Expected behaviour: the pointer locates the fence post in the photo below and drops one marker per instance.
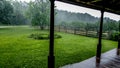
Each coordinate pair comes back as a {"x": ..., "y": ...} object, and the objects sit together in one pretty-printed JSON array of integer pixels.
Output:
[
  {"x": 99, "y": 46},
  {"x": 59, "y": 28},
  {"x": 51, "y": 57}
]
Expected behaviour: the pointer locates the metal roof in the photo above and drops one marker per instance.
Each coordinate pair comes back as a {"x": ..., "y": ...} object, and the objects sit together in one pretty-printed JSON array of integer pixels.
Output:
[{"x": 112, "y": 6}]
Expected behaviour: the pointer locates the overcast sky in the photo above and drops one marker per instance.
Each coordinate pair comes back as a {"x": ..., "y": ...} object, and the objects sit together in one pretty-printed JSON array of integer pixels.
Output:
[{"x": 78, "y": 9}]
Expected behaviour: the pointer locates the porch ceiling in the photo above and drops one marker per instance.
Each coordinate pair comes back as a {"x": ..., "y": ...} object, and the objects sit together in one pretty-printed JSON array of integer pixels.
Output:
[{"x": 112, "y": 6}]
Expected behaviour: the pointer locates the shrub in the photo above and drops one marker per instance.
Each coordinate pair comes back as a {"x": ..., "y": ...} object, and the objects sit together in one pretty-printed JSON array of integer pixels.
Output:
[
  {"x": 114, "y": 36},
  {"x": 95, "y": 36},
  {"x": 91, "y": 35},
  {"x": 42, "y": 36}
]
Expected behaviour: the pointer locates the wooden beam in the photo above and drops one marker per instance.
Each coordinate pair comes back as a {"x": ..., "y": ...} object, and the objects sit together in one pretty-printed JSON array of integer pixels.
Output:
[
  {"x": 99, "y": 46},
  {"x": 51, "y": 57},
  {"x": 90, "y": 6}
]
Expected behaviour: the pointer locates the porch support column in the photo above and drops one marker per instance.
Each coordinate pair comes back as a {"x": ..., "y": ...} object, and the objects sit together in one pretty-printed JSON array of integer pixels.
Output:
[
  {"x": 99, "y": 46},
  {"x": 51, "y": 57},
  {"x": 118, "y": 49}
]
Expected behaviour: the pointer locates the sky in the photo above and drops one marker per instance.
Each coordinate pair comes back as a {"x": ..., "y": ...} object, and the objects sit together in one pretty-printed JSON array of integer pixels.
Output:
[{"x": 78, "y": 9}]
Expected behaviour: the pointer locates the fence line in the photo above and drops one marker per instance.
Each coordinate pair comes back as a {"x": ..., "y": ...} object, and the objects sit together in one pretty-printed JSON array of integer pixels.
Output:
[{"x": 80, "y": 31}]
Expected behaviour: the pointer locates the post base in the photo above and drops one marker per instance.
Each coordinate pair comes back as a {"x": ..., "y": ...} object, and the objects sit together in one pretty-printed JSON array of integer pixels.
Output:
[
  {"x": 51, "y": 61},
  {"x": 118, "y": 51},
  {"x": 97, "y": 62}
]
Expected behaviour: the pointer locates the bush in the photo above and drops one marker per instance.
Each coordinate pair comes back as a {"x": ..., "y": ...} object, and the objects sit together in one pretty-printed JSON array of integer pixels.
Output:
[
  {"x": 39, "y": 36},
  {"x": 92, "y": 35},
  {"x": 95, "y": 36},
  {"x": 114, "y": 36}
]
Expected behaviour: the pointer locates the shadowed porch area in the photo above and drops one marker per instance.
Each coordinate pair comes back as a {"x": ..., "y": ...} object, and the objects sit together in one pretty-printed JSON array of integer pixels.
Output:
[{"x": 108, "y": 60}]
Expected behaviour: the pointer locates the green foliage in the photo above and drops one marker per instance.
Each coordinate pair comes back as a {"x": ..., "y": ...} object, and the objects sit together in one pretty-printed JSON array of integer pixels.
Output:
[
  {"x": 6, "y": 10},
  {"x": 18, "y": 15},
  {"x": 110, "y": 25},
  {"x": 39, "y": 12},
  {"x": 92, "y": 29},
  {"x": 73, "y": 17},
  {"x": 77, "y": 25},
  {"x": 114, "y": 36},
  {"x": 13, "y": 12},
  {"x": 41, "y": 36}
]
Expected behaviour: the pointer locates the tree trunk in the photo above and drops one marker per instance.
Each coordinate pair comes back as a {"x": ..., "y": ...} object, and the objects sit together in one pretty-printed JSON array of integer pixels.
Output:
[
  {"x": 109, "y": 34},
  {"x": 59, "y": 28},
  {"x": 66, "y": 29},
  {"x": 42, "y": 27},
  {"x": 86, "y": 32},
  {"x": 74, "y": 31},
  {"x": 97, "y": 33}
]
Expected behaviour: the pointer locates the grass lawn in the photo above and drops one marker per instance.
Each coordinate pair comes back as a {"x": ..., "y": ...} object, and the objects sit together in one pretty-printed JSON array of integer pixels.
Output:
[{"x": 19, "y": 51}]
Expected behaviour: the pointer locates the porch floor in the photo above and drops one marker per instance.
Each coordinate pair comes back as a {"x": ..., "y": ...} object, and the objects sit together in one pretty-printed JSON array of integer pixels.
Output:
[{"x": 108, "y": 60}]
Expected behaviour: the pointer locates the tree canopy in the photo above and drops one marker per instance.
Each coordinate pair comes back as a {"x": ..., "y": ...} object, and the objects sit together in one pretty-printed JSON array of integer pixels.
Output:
[
  {"x": 38, "y": 12},
  {"x": 6, "y": 11}
]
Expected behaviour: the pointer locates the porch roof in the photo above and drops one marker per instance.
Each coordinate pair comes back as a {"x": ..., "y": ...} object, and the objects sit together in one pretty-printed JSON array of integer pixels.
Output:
[{"x": 112, "y": 6}]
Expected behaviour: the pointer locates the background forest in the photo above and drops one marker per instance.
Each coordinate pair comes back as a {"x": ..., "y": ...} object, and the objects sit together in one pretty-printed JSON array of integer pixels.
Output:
[{"x": 36, "y": 13}]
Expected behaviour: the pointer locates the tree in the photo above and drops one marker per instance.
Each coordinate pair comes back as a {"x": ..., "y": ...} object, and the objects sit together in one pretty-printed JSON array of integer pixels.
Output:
[
  {"x": 76, "y": 26},
  {"x": 110, "y": 27},
  {"x": 87, "y": 28},
  {"x": 6, "y": 10},
  {"x": 18, "y": 16},
  {"x": 64, "y": 25},
  {"x": 38, "y": 12},
  {"x": 96, "y": 26}
]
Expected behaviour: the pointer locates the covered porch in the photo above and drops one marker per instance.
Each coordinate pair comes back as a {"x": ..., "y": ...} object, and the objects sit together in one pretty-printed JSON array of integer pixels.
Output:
[{"x": 109, "y": 59}]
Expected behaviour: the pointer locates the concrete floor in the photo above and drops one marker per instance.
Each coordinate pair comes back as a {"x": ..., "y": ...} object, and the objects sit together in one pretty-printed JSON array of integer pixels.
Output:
[{"x": 108, "y": 60}]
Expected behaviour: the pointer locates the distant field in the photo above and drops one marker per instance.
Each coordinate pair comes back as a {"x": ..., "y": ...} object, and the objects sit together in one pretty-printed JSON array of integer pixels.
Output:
[{"x": 19, "y": 51}]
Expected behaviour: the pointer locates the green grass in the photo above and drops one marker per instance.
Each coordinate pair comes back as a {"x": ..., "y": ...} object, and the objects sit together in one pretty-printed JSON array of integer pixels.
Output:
[{"x": 19, "y": 51}]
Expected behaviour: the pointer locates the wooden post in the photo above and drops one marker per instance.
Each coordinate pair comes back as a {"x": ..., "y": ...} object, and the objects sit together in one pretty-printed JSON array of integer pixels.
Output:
[
  {"x": 66, "y": 29},
  {"x": 99, "y": 46},
  {"x": 59, "y": 28},
  {"x": 51, "y": 57},
  {"x": 74, "y": 30},
  {"x": 118, "y": 49}
]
